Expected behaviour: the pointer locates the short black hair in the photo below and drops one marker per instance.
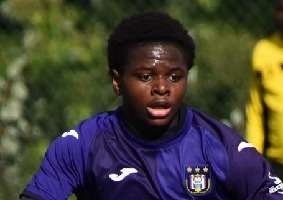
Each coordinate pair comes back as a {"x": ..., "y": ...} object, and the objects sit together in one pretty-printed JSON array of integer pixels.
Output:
[{"x": 147, "y": 27}]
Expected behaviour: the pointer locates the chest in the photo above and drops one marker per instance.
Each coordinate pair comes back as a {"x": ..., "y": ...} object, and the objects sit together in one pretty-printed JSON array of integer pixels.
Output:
[{"x": 120, "y": 170}]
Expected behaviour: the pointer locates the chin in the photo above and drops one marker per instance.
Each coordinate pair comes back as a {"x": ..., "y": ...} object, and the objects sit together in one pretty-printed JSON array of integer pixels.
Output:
[{"x": 158, "y": 122}]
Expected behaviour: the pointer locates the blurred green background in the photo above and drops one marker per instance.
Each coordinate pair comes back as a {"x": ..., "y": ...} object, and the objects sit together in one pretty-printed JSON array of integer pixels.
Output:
[{"x": 53, "y": 69}]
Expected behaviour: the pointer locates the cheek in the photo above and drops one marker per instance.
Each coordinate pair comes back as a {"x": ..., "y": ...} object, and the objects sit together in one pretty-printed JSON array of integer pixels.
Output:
[
  {"x": 180, "y": 90},
  {"x": 136, "y": 92},
  {"x": 138, "y": 88}
]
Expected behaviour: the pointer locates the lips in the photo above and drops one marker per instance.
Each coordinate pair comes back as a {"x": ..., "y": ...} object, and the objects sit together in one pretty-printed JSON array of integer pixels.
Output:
[{"x": 159, "y": 109}]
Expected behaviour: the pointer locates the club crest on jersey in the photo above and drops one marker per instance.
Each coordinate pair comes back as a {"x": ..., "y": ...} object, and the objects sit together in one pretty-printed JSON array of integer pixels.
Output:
[{"x": 198, "y": 180}]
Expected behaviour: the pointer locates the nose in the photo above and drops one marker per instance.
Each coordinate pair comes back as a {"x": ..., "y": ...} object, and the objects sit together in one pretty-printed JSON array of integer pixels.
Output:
[{"x": 160, "y": 87}]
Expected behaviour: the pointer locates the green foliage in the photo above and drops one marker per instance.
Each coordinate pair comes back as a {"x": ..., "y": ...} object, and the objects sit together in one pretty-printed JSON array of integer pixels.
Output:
[
  {"x": 223, "y": 68},
  {"x": 10, "y": 49}
]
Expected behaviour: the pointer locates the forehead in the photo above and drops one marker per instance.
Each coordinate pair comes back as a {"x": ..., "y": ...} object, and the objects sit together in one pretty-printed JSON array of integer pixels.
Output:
[{"x": 156, "y": 50}]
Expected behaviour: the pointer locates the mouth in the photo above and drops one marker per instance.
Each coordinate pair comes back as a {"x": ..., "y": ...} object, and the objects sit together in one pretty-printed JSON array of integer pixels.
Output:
[{"x": 159, "y": 109}]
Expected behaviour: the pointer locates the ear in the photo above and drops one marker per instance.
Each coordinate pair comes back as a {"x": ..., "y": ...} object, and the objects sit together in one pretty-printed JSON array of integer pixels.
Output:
[{"x": 116, "y": 81}]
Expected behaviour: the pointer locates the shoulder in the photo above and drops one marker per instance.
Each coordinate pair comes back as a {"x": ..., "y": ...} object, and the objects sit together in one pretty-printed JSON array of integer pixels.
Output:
[
  {"x": 76, "y": 143},
  {"x": 65, "y": 166},
  {"x": 236, "y": 148},
  {"x": 232, "y": 141},
  {"x": 213, "y": 129},
  {"x": 96, "y": 125},
  {"x": 217, "y": 129}
]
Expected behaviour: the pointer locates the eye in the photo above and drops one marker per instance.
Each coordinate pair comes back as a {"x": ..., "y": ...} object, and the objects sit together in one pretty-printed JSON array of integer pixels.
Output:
[
  {"x": 146, "y": 77},
  {"x": 174, "y": 77}
]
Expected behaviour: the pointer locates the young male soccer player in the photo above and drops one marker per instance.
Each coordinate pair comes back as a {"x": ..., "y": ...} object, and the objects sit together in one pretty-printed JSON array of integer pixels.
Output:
[{"x": 152, "y": 146}]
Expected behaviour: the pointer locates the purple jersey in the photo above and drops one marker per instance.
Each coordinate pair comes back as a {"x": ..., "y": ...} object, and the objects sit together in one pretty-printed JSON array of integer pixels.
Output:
[{"x": 101, "y": 159}]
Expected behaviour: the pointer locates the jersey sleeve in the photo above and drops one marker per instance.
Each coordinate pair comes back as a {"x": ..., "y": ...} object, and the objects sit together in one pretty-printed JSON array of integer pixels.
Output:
[
  {"x": 63, "y": 168},
  {"x": 254, "y": 108},
  {"x": 244, "y": 171},
  {"x": 250, "y": 176}
]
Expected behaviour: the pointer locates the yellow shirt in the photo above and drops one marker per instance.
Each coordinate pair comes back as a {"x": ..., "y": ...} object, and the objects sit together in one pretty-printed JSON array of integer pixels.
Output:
[{"x": 265, "y": 109}]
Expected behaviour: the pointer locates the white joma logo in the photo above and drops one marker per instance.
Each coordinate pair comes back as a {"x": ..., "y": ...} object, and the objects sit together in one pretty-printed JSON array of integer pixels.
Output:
[
  {"x": 244, "y": 145},
  {"x": 124, "y": 172},
  {"x": 71, "y": 133}
]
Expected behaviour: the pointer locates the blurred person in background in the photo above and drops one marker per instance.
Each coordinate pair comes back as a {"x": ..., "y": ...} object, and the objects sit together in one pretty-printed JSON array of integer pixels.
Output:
[{"x": 264, "y": 127}]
